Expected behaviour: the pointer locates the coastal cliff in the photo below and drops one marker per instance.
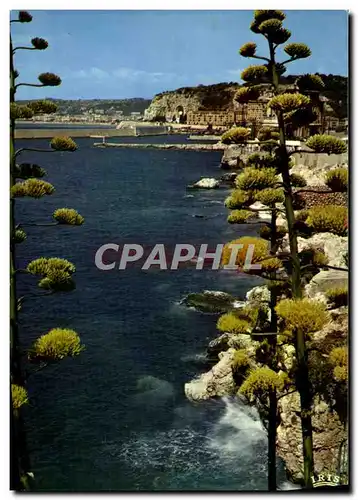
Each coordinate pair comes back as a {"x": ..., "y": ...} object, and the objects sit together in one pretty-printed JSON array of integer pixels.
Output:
[
  {"x": 169, "y": 104},
  {"x": 330, "y": 434}
]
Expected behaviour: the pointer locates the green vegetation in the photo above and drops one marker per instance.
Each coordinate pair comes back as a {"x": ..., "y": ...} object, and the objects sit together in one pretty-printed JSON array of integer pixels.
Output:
[
  {"x": 236, "y": 135},
  {"x": 268, "y": 179},
  {"x": 338, "y": 296},
  {"x": 322, "y": 143},
  {"x": 337, "y": 180},
  {"x": 55, "y": 273},
  {"x": 232, "y": 323},
  {"x": 328, "y": 218}
]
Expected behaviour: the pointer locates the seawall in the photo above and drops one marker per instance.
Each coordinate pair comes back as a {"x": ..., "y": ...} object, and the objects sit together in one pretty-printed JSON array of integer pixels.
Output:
[
  {"x": 130, "y": 131},
  {"x": 183, "y": 147}
]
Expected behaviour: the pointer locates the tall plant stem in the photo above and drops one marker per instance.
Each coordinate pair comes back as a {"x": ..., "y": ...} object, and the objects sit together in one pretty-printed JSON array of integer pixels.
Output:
[
  {"x": 272, "y": 417},
  {"x": 19, "y": 457},
  {"x": 302, "y": 378}
]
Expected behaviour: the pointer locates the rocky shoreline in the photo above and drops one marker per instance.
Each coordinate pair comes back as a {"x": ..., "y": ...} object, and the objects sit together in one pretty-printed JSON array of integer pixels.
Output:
[{"x": 219, "y": 380}]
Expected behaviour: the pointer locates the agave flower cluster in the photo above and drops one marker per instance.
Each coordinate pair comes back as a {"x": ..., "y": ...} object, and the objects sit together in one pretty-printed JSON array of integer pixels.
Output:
[{"x": 55, "y": 274}]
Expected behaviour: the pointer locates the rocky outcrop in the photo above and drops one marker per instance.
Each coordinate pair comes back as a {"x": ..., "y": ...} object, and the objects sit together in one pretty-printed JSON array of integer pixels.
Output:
[
  {"x": 328, "y": 434},
  {"x": 212, "y": 301},
  {"x": 325, "y": 280},
  {"x": 218, "y": 381},
  {"x": 203, "y": 97},
  {"x": 313, "y": 167},
  {"x": 335, "y": 247},
  {"x": 169, "y": 104},
  {"x": 328, "y": 429},
  {"x": 258, "y": 294},
  {"x": 206, "y": 183},
  {"x": 234, "y": 157}
]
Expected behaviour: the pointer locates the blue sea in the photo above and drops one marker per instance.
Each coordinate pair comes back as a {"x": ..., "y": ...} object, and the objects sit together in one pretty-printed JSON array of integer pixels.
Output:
[{"x": 116, "y": 418}]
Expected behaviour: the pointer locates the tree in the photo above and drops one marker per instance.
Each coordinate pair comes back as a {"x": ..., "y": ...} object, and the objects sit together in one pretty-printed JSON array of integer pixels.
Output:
[
  {"x": 55, "y": 274},
  {"x": 293, "y": 109},
  {"x": 259, "y": 182}
]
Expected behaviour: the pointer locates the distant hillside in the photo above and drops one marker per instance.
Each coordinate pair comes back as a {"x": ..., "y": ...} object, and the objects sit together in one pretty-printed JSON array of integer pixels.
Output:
[
  {"x": 220, "y": 95},
  {"x": 109, "y": 106}
]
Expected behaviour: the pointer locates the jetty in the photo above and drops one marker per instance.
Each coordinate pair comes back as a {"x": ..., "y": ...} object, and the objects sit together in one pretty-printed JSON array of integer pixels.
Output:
[
  {"x": 179, "y": 147},
  {"x": 127, "y": 130}
]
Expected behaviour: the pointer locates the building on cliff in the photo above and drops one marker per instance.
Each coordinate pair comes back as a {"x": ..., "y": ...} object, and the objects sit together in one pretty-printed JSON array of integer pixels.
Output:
[{"x": 215, "y": 106}]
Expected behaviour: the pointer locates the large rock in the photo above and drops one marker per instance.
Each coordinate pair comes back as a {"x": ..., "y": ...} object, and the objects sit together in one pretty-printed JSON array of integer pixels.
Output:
[
  {"x": 217, "y": 382},
  {"x": 328, "y": 429},
  {"x": 233, "y": 157},
  {"x": 206, "y": 183},
  {"x": 227, "y": 340},
  {"x": 313, "y": 167},
  {"x": 211, "y": 301},
  {"x": 258, "y": 294},
  {"x": 328, "y": 434},
  {"x": 335, "y": 247},
  {"x": 325, "y": 280}
]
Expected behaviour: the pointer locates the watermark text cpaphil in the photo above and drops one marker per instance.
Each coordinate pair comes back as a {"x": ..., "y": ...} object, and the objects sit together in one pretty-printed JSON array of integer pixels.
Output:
[{"x": 112, "y": 256}]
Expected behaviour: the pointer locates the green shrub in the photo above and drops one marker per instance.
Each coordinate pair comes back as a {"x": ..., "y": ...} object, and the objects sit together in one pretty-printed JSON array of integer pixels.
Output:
[
  {"x": 297, "y": 50},
  {"x": 254, "y": 73},
  {"x": 298, "y": 180},
  {"x": 310, "y": 82},
  {"x": 263, "y": 380},
  {"x": 246, "y": 94},
  {"x": 20, "y": 236},
  {"x": 240, "y": 361},
  {"x": 339, "y": 296},
  {"x": 248, "y": 49},
  {"x": 337, "y": 179},
  {"x": 238, "y": 199},
  {"x": 240, "y": 216},
  {"x": 288, "y": 102},
  {"x": 55, "y": 345},
  {"x": 231, "y": 323},
  {"x": 301, "y": 215},
  {"x": 263, "y": 15},
  {"x": 266, "y": 133},
  {"x": 265, "y": 232},
  {"x": 328, "y": 218},
  {"x": 304, "y": 314},
  {"x": 255, "y": 179},
  {"x": 313, "y": 256},
  {"x": 271, "y": 265},
  {"x": 249, "y": 313},
  {"x": 326, "y": 144},
  {"x": 236, "y": 135},
  {"x": 33, "y": 188},
  {"x": 68, "y": 216},
  {"x": 43, "y": 265},
  {"x": 19, "y": 396},
  {"x": 338, "y": 359},
  {"x": 63, "y": 144},
  {"x": 28, "y": 170},
  {"x": 260, "y": 250},
  {"x": 270, "y": 196}
]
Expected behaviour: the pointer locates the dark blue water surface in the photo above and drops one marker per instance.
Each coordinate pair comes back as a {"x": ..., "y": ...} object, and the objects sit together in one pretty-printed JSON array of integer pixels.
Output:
[{"x": 116, "y": 417}]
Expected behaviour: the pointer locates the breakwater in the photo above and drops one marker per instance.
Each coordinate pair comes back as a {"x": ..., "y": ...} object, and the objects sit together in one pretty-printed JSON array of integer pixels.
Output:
[
  {"x": 182, "y": 147},
  {"x": 130, "y": 131}
]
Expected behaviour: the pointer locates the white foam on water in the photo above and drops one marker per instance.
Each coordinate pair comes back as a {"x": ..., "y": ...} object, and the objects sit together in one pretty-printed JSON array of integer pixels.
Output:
[
  {"x": 198, "y": 454},
  {"x": 237, "y": 431}
]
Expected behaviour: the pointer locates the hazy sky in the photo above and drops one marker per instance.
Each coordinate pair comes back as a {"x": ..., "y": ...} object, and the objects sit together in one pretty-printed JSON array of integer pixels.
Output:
[{"x": 119, "y": 54}]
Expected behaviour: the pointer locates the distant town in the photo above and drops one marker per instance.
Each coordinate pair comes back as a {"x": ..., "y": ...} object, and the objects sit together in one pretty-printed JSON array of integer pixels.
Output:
[{"x": 91, "y": 111}]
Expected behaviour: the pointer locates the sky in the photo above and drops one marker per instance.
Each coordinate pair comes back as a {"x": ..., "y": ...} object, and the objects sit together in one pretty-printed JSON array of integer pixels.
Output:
[{"x": 124, "y": 54}]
